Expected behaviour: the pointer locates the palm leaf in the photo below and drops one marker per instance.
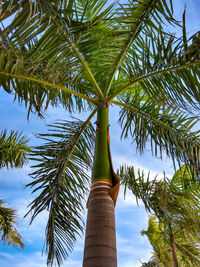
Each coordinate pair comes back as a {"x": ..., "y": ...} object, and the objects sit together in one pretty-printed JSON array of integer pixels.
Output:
[
  {"x": 141, "y": 186},
  {"x": 165, "y": 128},
  {"x": 61, "y": 178},
  {"x": 162, "y": 251},
  {"x": 88, "y": 32},
  {"x": 159, "y": 63},
  {"x": 162, "y": 197},
  {"x": 13, "y": 149},
  {"x": 131, "y": 18},
  {"x": 58, "y": 31},
  {"x": 17, "y": 63},
  {"x": 189, "y": 254},
  {"x": 8, "y": 232},
  {"x": 177, "y": 210}
]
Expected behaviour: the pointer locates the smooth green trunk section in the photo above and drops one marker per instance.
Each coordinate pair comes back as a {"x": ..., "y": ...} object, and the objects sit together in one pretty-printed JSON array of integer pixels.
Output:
[{"x": 102, "y": 166}]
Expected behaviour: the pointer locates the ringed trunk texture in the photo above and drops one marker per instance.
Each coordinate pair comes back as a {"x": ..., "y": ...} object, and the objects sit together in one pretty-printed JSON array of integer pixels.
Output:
[
  {"x": 100, "y": 240},
  {"x": 174, "y": 256}
]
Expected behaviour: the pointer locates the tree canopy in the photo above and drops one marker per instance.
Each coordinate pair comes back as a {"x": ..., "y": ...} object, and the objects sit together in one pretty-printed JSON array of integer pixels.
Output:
[{"x": 88, "y": 54}]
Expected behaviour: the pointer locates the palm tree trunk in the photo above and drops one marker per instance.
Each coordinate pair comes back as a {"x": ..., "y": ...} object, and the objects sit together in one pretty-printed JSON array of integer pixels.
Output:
[
  {"x": 173, "y": 247},
  {"x": 100, "y": 239}
]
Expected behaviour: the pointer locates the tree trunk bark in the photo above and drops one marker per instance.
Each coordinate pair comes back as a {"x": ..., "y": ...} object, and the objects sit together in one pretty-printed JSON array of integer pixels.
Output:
[
  {"x": 173, "y": 247},
  {"x": 100, "y": 239}
]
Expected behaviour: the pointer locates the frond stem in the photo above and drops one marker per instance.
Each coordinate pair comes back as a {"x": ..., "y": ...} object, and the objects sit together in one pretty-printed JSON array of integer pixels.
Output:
[
  {"x": 79, "y": 134},
  {"x": 127, "y": 45},
  {"x": 82, "y": 60},
  {"x": 150, "y": 75},
  {"x": 152, "y": 119},
  {"x": 60, "y": 87},
  {"x": 181, "y": 229}
]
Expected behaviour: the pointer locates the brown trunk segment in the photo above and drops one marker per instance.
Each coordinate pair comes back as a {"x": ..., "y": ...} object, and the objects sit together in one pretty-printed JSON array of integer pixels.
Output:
[
  {"x": 173, "y": 247},
  {"x": 100, "y": 240}
]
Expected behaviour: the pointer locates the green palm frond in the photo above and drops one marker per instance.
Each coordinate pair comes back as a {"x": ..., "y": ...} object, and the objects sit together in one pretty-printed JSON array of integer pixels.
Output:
[
  {"x": 61, "y": 179},
  {"x": 131, "y": 18},
  {"x": 187, "y": 251},
  {"x": 60, "y": 34},
  {"x": 87, "y": 36},
  {"x": 155, "y": 235},
  {"x": 189, "y": 254},
  {"x": 142, "y": 186},
  {"x": 161, "y": 65},
  {"x": 185, "y": 179},
  {"x": 167, "y": 128},
  {"x": 162, "y": 197},
  {"x": 176, "y": 208},
  {"x": 153, "y": 262},
  {"x": 8, "y": 232},
  {"x": 13, "y": 149},
  {"x": 27, "y": 61},
  {"x": 14, "y": 152},
  {"x": 85, "y": 45}
]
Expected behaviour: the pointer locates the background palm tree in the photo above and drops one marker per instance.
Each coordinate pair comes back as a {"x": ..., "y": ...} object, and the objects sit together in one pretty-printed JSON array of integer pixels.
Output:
[
  {"x": 187, "y": 255},
  {"x": 13, "y": 153},
  {"x": 162, "y": 251},
  {"x": 151, "y": 263},
  {"x": 175, "y": 202},
  {"x": 8, "y": 232},
  {"x": 86, "y": 56}
]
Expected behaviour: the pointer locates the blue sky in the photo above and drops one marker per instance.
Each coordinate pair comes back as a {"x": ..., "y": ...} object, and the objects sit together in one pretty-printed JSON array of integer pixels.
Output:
[{"x": 130, "y": 219}]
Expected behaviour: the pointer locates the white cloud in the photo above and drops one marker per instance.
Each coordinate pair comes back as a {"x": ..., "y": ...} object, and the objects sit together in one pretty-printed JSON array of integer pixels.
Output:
[
  {"x": 131, "y": 250},
  {"x": 35, "y": 231},
  {"x": 134, "y": 263},
  {"x": 120, "y": 159},
  {"x": 73, "y": 263},
  {"x": 129, "y": 200},
  {"x": 22, "y": 260},
  {"x": 11, "y": 177},
  {"x": 6, "y": 255},
  {"x": 35, "y": 259}
]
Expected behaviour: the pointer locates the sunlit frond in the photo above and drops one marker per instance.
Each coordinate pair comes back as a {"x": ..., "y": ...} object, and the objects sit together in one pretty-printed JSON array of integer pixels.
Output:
[{"x": 162, "y": 251}]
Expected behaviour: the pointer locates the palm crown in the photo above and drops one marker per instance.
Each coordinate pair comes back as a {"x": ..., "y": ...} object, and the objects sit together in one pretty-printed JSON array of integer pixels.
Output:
[{"x": 85, "y": 56}]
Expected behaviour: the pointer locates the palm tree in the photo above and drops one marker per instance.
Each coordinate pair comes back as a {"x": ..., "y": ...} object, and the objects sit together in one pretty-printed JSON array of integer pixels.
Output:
[
  {"x": 151, "y": 263},
  {"x": 187, "y": 249},
  {"x": 162, "y": 252},
  {"x": 175, "y": 202},
  {"x": 13, "y": 153},
  {"x": 88, "y": 55}
]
